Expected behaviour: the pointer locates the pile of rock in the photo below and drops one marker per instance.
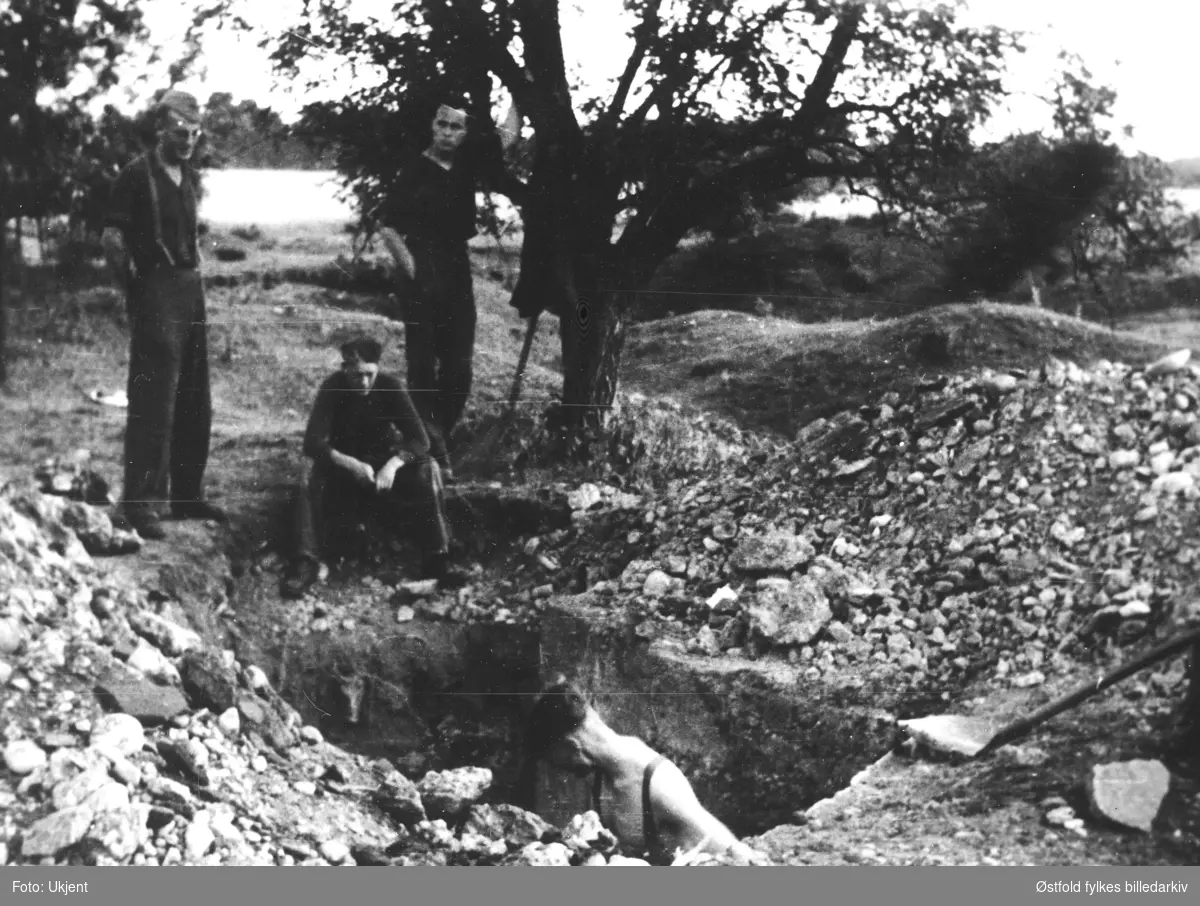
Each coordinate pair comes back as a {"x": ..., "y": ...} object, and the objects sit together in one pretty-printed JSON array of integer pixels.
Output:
[{"x": 994, "y": 521}]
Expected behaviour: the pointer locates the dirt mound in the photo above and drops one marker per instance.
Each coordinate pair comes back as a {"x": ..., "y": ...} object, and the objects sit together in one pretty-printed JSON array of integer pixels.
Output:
[{"x": 775, "y": 375}]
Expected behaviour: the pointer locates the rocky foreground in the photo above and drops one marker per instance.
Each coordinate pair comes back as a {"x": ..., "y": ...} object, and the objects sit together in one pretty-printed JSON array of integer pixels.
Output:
[{"x": 128, "y": 741}]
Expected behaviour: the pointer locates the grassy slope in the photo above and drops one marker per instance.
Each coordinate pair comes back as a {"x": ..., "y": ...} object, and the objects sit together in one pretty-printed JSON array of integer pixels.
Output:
[{"x": 777, "y": 375}]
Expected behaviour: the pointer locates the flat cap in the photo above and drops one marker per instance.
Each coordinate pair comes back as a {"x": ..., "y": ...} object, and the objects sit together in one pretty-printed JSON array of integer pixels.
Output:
[{"x": 181, "y": 103}]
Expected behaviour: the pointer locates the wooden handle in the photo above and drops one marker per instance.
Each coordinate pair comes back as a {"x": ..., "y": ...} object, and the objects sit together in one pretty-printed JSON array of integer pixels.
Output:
[
  {"x": 1024, "y": 725},
  {"x": 515, "y": 393}
]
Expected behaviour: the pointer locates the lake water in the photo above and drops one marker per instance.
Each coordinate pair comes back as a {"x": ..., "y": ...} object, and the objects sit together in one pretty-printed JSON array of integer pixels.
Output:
[{"x": 275, "y": 197}]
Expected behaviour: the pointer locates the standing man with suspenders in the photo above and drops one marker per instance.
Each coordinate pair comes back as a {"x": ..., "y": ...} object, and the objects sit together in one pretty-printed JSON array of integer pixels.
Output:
[
  {"x": 426, "y": 227},
  {"x": 151, "y": 243}
]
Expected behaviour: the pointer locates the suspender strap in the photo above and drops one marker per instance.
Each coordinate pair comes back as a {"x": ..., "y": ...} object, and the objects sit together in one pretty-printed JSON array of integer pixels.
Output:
[
  {"x": 185, "y": 185},
  {"x": 156, "y": 210},
  {"x": 597, "y": 789},
  {"x": 649, "y": 825}
]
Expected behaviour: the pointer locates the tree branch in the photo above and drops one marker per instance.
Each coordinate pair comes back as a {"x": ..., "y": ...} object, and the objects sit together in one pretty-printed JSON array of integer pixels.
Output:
[{"x": 644, "y": 31}]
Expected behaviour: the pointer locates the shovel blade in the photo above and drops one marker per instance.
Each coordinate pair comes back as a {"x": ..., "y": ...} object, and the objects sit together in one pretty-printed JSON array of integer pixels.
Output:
[{"x": 951, "y": 733}]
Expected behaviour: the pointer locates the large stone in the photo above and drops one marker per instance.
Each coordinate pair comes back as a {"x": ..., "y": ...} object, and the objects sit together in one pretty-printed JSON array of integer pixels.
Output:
[
  {"x": 187, "y": 756},
  {"x": 207, "y": 682},
  {"x": 773, "y": 552},
  {"x": 56, "y": 832},
  {"x": 587, "y": 832},
  {"x": 506, "y": 822},
  {"x": 544, "y": 854},
  {"x": 147, "y": 659},
  {"x": 116, "y": 834},
  {"x": 171, "y": 638},
  {"x": 1129, "y": 793},
  {"x": 198, "y": 838},
  {"x": 12, "y": 636},
  {"x": 264, "y": 718},
  {"x": 108, "y": 797},
  {"x": 122, "y": 732},
  {"x": 449, "y": 794},
  {"x": 95, "y": 531},
  {"x": 172, "y": 794},
  {"x": 788, "y": 613},
  {"x": 399, "y": 798},
  {"x": 123, "y": 690},
  {"x": 1169, "y": 363},
  {"x": 23, "y": 756},
  {"x": 658, "y": 584},
  {"x": 335, "y": 852},
  {"x": 79, "y": 788}
]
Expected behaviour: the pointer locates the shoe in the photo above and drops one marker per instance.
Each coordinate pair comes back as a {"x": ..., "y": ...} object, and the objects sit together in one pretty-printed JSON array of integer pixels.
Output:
[
  {"x": 144, "y": 523},
  {"x": 198, "y": 509},
  {"x": 439, "y": 567},
  {"x": 300, "y": 580}
]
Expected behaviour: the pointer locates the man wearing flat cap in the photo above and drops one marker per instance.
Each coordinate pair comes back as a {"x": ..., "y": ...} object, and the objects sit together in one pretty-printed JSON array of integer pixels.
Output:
[
  {"x": 151, "y": 242},
  {"x": 371, "y": 458}
]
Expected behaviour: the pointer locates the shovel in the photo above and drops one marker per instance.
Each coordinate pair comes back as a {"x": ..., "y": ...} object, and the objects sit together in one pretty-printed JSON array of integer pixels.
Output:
[
  {"x": 479, "y": 456},
  {"x": 975, "y": 737}
]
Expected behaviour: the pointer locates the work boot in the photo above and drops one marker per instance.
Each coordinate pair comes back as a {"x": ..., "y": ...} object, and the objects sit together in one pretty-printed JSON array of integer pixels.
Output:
[
  {"x": 300, "y": 579},
  {"x": 439, "y": 567},
  {"x": 198, "y": 509},
  {"x": 141, "y": 520}
]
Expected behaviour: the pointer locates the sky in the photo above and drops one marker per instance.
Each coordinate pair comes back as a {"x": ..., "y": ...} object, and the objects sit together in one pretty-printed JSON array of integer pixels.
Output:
[{"x": 1145, "y": 50}]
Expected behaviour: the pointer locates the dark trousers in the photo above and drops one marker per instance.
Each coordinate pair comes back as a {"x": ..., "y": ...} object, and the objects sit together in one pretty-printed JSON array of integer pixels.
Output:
[
  {"x": 439, "y": 333},
  {"x": 170, "y": 407},
  {"x": 333, "y": 503}
]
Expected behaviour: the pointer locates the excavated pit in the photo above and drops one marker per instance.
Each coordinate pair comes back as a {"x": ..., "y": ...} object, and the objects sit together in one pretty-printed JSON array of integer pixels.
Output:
[{"x": 756, "y": 740}]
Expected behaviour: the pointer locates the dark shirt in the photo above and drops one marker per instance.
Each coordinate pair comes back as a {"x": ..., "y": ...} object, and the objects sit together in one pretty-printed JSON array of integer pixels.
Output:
[
  {"x": 131, "y": 210},
  {"x": 371, "y": 428},
  {"x": 435, "y": 206},
  {"x": 431, "y": 204}
]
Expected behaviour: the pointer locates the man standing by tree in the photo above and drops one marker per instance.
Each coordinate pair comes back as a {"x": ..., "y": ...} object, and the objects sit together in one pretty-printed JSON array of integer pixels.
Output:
[
  {"x": 151, "y": 242},
  {"x": 426, "y": 230}
]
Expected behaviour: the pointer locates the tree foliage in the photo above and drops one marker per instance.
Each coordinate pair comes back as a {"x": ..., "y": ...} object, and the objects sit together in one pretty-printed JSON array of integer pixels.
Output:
[
  {"x": 1017, "y": 204},
  {"x": 245, "y": 135},
  {"x": 55, "y": 56},
  {"x": 716, "y": 104}
]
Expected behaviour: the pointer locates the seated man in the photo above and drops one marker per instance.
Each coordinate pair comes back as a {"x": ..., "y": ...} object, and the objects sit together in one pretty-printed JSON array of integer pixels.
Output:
[
  {"x": 650, "y": 807},
  {"x": 370, "y": 454}
]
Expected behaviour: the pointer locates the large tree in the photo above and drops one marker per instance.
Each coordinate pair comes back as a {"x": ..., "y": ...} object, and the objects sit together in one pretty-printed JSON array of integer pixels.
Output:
[
  {"x": 717, "y": 101},
  {"x": 55, "y": 55}
]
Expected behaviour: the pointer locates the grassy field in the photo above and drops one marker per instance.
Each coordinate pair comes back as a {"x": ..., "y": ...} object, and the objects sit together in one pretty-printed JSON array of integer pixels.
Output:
[{"x": 272, "y": 340}]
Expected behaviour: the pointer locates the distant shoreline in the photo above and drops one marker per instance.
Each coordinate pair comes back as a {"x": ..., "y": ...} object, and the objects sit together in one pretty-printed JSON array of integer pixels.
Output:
[{"x": 240, "y": 196}]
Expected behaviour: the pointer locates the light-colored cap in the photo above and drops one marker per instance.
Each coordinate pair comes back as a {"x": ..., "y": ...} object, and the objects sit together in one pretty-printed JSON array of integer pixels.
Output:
[{"x": 182, "y": 103}]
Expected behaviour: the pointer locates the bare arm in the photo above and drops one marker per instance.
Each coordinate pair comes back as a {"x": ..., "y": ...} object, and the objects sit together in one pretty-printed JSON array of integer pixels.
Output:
[
  {"x": 510, "y": 127},
  {"x": 399, "y": 250},
  {"x": 411, "y": 439},
  {"x": 120, "y": 262},
  {"x": 679, "y": 810}
]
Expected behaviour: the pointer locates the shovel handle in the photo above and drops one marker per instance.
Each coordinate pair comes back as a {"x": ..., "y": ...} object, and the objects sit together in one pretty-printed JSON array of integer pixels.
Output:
[
  {"x": 1024, "y": 725},
  {"x": 530, "y": 332}
]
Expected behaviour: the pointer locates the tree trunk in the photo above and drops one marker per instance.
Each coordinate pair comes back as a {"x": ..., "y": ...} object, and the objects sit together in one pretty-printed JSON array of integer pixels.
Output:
[
  {"x": 3, "y": 302},
  {"x": 593, "y": 338}
]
